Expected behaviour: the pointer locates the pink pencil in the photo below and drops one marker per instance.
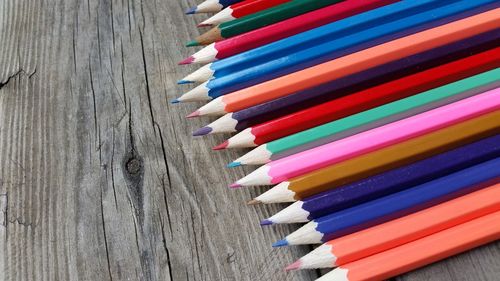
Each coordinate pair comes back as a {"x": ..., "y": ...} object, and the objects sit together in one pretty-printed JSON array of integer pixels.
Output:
[{"x": 334, "y": 152}]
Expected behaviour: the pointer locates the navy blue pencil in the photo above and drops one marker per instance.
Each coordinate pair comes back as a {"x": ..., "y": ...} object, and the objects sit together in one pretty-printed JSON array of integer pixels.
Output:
[
  {"x": 396, "y": 205},
  {"x": 335, "y": 48},
  {"x": 211, "y": 6},
  {"x": 389, "y": 182},
  {"x": 257, "y": 114}
]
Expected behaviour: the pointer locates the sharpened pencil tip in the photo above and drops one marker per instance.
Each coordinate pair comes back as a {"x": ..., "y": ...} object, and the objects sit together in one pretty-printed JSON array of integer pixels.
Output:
[
  {"x": 174, "y": 101},
  {"x": 188, "y": 60},
  {"x": 221, "y": 146},
  {"x": 266, "y": 222},
  {"x": 182, "y": 82},
  {"x": 204, "y": 25},
  {"x": 235, "y": 185},
  {"x": 233, "y": 164},
  {"x": 202, "y": 131},
  {"x": 193, "y": 43},
  {"x": 193, "y": 114},
  {"x": 293, "y": 266},
  {"x": 253, "y": 202},
  {"x": 280, "y": 243},
  {"x": 191, "y": 11}
]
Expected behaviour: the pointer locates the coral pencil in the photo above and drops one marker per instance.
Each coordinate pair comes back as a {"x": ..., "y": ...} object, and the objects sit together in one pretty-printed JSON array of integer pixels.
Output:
[
  {"x": 365, "y": 142},
  {"x": 241, "y": 9},
  {"x": 348, "y": 105},
  {"x": 420, "y": 252},
  {"x": 283, "y": 29},
  {"x": 211, "y": 6},
  {"x": 353, "y": 63},
  {"x": 395, "y": 205},
  {"x": 241, "y": 76},
  {"x": 383, "y": 160},
  {"x": 392, "y": 181},
  {"x": 260, "y": 19},
  {"x": 458, "y": 51},
  {"x": 380, "y": 238}
]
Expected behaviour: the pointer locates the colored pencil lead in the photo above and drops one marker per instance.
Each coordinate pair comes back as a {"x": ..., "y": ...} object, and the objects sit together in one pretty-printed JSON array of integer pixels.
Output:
[
  {"x": 188, "y": 60},
  {"x": 235, "y": 185},
  {"x": 203, "y": 25},
  {"x": 182, "y": 82},
  {"x": 202, "y": 131},
  {"x": 280, "y": 243},
  {"x": 174, "y": 101},
  {"x": 266, "y": 222},
  {"x": 191, "y": 11},
  {"x": 193, "y": 114},
  {"x": 193, "y": 43},
  {"x": 293, "y": 266},
  {"x": 253, "y": 202},
  {"x": 233, "y": 164},
  {"x": 221, "y": 146}
]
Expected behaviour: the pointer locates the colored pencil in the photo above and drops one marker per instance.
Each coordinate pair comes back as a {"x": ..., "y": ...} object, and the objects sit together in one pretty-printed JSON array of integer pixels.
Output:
[
  {"x": 280, "y": 30},
  {"x": 371, "y": 140},
  {"x": 407, "y": 66},
  {"x": 383, "y": 237},
  {"x": 392, "y": 181},
  {"x": 260, "y": 19},
  {"x": 291, "y": 127},
  {"x": 420, "y": 252},
  {"x": 370, "y": 119},
  {"x": 210, "y": 6},
  {"x": 306, "y": 40},
  {"x": 241, "y": 9},
  {"x": 395, "y": 205},
  {"x": 350, "y": 104},
  {"x": 353, "y": 63},
  {"x": 382, "y": 160},
  {"x": 252, "y": 72}
]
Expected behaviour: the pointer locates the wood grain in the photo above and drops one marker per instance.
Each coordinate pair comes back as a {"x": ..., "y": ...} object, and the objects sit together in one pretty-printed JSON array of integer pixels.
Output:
[{"x": 100, "y": 178}]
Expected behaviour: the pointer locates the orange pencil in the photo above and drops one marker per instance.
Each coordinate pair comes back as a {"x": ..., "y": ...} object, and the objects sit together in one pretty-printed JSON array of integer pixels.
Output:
[
  {"x": 420, "y": 252},
  {"x": 356, "y": 62},
  {"x": 385, "y": 236}
]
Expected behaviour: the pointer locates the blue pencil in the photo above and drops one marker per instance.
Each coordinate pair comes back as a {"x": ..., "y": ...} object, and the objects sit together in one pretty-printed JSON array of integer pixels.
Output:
[
  {"x": 241, "y": 76},
  {"x": 396, "y": 205},
  {"x": 210, "y": 6},
  {"x": 389, "y": 182}
]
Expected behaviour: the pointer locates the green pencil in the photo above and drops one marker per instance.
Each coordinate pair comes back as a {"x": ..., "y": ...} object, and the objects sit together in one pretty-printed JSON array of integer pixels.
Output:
[
  {"x": 260, "y": 19},
  {"x": 372, "y": 118}
]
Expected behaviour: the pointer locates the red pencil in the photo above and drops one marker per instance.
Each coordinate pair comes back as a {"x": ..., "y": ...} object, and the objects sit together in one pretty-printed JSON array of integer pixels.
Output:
[
  {"x": 241, "y": 9},
  {"x": 280, "y": 30},
  {"x": 364, "y": 100}
]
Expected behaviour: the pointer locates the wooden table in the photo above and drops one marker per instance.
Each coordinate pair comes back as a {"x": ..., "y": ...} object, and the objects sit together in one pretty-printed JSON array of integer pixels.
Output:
[{"x": 100, "y": 177}]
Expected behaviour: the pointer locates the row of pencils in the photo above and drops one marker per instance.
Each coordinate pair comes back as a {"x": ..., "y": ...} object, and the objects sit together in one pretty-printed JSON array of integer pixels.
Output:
[{"x": 378, "y": 120}]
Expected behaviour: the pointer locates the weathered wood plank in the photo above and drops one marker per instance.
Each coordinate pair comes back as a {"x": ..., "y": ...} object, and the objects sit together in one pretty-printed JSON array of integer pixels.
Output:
[{"x": 100, "y": 178}]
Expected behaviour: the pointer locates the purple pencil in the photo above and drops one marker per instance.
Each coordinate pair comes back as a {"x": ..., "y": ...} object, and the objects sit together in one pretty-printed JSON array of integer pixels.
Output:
[{"x": 240, "y": 120}]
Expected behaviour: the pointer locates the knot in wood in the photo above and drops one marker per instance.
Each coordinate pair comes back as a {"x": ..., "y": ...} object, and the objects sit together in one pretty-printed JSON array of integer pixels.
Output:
[{"x": 134, "y": 166}]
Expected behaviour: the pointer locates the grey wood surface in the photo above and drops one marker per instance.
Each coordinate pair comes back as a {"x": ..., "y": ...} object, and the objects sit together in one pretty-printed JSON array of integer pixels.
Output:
[{"x": 100, "y": 179}]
